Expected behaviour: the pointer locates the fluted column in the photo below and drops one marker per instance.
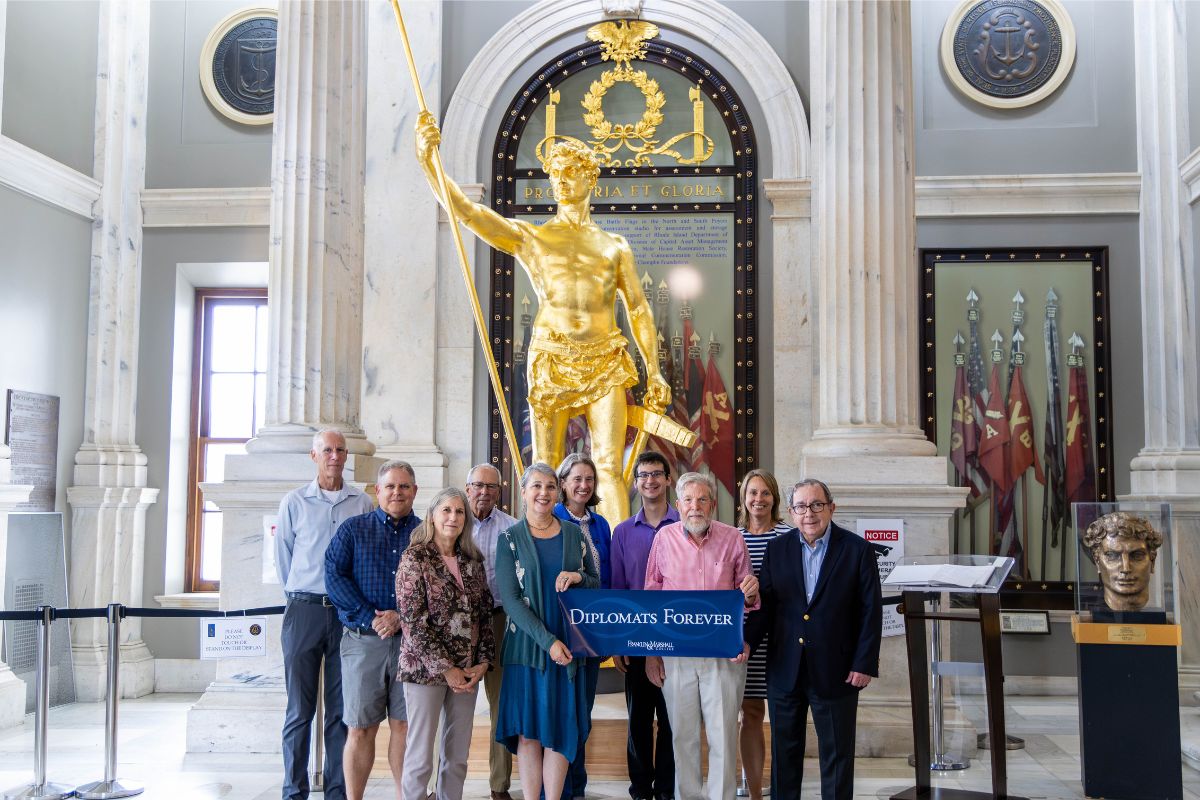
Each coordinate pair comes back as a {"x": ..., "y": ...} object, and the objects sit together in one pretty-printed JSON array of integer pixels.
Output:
[
  {"x": 315, "y": 296},
  {"x": 316, "y": 252},
  {"x": 401, "y": 306},
  {"x": 12, "y": 688},
  {"x": 109, "y": 497},
  {"x": 867, "y": 443},
  {"x": 1168, "y": 467},
  {"x": 863, "y": 211}
]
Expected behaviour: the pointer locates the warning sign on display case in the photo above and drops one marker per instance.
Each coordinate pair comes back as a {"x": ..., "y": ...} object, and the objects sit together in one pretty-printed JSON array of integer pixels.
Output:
[{"x": 886, "y": 537}]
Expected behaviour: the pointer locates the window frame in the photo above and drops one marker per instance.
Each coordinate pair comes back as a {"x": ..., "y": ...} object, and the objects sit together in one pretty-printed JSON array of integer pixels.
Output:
[{"x": 206, "y": 299}]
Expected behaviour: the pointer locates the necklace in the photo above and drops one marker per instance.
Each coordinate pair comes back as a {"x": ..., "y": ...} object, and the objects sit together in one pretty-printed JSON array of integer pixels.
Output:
[{"x": 542, "y": 527}]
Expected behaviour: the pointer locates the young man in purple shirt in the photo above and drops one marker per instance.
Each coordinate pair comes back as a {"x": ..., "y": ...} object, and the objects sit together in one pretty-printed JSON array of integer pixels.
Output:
[{"x": 649, "y": 779}]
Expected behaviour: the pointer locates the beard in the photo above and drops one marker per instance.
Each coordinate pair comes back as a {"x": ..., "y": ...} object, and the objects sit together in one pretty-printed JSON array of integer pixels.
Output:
[{"x": 696, "y": 527}]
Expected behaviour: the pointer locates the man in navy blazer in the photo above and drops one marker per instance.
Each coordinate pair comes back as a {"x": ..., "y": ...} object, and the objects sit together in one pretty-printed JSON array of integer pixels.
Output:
[{"x": 822, "y": 604}]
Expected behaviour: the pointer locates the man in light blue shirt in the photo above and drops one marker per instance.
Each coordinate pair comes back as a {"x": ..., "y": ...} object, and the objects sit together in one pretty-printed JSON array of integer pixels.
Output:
[
  {"x": 308, "y": 518},
  {"x": 483, "y": 493}
]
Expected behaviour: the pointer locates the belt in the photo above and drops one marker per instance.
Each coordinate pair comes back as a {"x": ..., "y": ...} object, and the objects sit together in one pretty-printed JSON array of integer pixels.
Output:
[
  {"x": 309, "y": 597},
  {"x": 363, "y": 631}
]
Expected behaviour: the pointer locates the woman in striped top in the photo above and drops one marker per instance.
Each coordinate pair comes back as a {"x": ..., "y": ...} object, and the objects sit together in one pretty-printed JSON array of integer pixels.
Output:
[{"x": 759, "y": 521}]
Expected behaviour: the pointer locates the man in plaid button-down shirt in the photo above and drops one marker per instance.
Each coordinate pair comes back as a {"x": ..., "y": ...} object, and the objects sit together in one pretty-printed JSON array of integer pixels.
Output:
[{"x": 360, "y": 576}]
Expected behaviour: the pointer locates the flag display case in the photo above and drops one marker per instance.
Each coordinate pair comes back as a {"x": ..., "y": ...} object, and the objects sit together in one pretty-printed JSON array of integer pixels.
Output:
[
  {"x": 1015, "y": 393},
  {"x": 678, "y": 160}
]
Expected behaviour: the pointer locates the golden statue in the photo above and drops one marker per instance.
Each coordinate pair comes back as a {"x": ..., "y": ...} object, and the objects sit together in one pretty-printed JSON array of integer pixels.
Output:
[{"x": 577, "y": 359}]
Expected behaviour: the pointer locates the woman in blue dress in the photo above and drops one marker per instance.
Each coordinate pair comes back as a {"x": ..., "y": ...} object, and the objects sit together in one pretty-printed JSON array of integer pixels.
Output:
[
  {"x": 577, "y": 490},
  {"x": 543, "y": 716}
]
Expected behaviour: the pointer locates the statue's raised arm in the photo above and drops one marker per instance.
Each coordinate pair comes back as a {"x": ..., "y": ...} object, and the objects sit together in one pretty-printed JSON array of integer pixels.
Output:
[{"x": 503, "y": 234}]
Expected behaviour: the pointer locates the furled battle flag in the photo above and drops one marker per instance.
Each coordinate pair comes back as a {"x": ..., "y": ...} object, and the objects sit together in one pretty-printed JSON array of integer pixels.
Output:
[
  {"x": 993, "y": 456},
  {"x": 1081, "y": 468},
  {"x": 1054, "y": 500},
  {"x": 964, "y": 431},
  {"x": 1022, "y": 454},
  {"x": 717, "y": 427}
]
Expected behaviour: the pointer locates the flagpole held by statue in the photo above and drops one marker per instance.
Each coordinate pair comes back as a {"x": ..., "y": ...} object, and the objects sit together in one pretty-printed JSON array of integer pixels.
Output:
[{"x": 577, "y": 361}]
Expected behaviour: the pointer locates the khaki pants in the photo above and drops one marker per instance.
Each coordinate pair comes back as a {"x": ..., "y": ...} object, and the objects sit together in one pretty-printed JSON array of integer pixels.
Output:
[
  {"x": 708, "y": 692},
  {"x": 427, "y": 705},
  {"x": 499, "y": 759}
]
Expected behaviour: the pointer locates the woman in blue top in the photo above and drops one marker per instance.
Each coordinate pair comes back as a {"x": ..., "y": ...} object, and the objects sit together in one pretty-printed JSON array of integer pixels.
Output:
[
  {"x": 577, "y": 504},
  {"x": 543, "y": 715}
]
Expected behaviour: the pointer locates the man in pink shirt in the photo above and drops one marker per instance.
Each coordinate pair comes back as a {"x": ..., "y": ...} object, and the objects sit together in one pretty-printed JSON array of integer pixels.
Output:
[{"x": 699, "y": 553}]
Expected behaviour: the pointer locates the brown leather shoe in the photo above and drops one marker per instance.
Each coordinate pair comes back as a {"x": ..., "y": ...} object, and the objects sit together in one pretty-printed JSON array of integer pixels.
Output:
[{"x": 501, "y": 796}]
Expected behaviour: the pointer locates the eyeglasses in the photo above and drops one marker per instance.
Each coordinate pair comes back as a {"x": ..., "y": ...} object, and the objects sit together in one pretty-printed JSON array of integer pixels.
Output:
[
  {"x": 817, "y": 506},
  {"x": 658, "y": 473},
  {"x": 479, "y": 487}
]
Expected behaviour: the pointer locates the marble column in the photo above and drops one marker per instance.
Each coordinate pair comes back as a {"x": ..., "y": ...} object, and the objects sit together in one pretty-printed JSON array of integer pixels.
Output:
[
  {"x": 12, "y": 688},
  {"x": 109, "y": 497},
  {"x": 400, "y": 297},
  {"x": 1168, "y": 467},
  {"x": 315, "y": 295},
  {"x": 315, "y": 289},
  {"x": 868, "y": 443},
  {"x": 795, "y": 319}
]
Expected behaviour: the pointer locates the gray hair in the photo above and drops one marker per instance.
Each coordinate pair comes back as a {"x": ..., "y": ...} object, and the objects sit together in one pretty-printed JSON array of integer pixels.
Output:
[
  {"x": 688, "y": 478},
  {"x": 564, "y": 469},
  {"x": 423, "y": 535},
  {"x": 319, "y": 438},
  {"x": 540, "y": 467},
  {"x": 809, "y": 482},
  {"x": 395, "y": 463},
  {"x": 484, "y": 465}
]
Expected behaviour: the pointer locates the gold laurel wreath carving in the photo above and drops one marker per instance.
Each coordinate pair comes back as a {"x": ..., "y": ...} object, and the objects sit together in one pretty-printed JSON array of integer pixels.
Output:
[{"x": 605, "y": 131}]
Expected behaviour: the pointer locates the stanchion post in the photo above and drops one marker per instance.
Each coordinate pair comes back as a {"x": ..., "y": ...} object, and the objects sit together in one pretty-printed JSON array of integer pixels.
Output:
[
  {"x": 316, "y": 757},
  {"x": 110, "y": 788},
  {"x": 39, "y": 789}
]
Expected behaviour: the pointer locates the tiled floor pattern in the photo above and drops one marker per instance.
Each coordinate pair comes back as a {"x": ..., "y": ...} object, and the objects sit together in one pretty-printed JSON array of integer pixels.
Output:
[{"x": 152, "y": 751}]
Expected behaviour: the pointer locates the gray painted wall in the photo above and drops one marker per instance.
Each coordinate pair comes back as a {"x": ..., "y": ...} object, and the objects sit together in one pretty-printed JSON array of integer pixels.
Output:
[
  {"x": 1120, "y": 235},
  {"x": 43, "y": 315},
  {"x": 163, "y": 250},
  {"x": 189, "y": 144},
  {"x": 1085, "y": 126},
  {"x": 50, "y": 78}
]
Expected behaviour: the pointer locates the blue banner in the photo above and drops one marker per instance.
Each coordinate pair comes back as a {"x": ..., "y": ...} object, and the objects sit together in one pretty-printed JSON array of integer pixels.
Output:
[{"x": 608, "y": 622}]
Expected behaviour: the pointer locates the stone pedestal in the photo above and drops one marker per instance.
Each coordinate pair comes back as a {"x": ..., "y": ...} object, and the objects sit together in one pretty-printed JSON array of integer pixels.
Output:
[
  {"x": 12, "y": 688},
  {"x": 242, "y": 710},
  {"x": 1168, "y": 468},
  {"x": 109, "y": 497}
]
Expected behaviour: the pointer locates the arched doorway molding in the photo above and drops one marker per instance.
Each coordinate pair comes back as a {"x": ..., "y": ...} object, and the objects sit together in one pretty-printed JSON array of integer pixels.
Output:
[{"x": 476, "y": 97}]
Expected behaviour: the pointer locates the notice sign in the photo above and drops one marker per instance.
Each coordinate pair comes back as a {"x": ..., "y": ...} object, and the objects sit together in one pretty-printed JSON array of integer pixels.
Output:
[
  {"x": 886, "y": 536},
  {"x": 233, "y": 637}
]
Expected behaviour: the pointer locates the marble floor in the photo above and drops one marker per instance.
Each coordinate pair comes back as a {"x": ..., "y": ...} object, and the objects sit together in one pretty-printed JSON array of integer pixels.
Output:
[{"x": 152, "y": 752}]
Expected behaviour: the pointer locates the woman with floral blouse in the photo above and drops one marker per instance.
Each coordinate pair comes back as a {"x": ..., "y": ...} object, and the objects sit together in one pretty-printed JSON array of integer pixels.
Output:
[{"x": 445, "y": 616}]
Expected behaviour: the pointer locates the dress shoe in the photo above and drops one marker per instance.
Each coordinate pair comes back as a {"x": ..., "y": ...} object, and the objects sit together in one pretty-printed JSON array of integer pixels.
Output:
[{"x": 501, "y": 796}]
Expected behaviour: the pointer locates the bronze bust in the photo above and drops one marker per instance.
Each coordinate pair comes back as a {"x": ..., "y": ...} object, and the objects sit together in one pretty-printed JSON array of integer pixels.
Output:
[{"x": 1123, "y": 547}]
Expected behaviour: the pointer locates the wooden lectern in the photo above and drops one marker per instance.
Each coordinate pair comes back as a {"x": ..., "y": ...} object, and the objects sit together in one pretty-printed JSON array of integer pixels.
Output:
[{"x": 987, "y": 615}]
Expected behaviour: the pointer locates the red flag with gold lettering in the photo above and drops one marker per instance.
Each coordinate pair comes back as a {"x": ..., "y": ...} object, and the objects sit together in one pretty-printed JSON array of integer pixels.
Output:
[
  {"x": 717, "y": 427},
  {"x": 1021, "y": 450},
  {"x": 1080, "y": 468},
  {"x": 964, "y": 432},
  {"x": 993, "y": 455}
]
